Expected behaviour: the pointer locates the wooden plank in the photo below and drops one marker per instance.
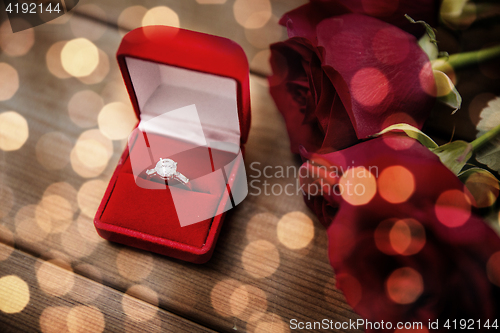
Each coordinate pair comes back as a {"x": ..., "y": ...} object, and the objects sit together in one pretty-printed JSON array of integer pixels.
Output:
[{"x": 61, "y": 298}]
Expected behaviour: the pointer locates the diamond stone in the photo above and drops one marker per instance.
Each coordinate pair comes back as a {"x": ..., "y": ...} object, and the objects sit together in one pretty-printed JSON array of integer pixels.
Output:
[{"x": 166, "y": 168}]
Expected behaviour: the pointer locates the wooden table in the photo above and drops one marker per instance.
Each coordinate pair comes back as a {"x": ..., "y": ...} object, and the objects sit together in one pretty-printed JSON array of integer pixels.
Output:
[{"x": 64, "y": 278}]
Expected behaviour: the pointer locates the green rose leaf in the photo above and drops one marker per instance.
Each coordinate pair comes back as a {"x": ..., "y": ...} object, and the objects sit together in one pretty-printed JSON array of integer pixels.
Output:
[
  {"x": 412, "y": 132},
  {"x": 489, "y": 152},
  {"x": 454, "y": 154}
]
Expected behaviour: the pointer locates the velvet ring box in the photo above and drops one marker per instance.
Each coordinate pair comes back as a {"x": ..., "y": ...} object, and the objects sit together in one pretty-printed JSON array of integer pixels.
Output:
[{"x": 190, "y": 92}]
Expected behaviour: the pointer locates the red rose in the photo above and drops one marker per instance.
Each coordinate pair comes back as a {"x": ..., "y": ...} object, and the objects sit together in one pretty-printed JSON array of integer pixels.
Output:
[
  {"x": 405, "y": 243},
  {"x": 348, "y": 78}
]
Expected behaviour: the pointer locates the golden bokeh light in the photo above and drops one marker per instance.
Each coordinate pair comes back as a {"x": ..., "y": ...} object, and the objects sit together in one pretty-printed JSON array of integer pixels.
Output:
[
  {"x": 14, "y": 131},
  {"x": 84, "y": 168},
  {"x": 6, "y": 243},
  {"x": 493, "y": 268},
  {"x": 53, "y": 319},
  {"x": 404, "y": 285},
  {"x": 53, "y": 60},
  {"x": 248, "y": 303},
  {"x": 134, "y": 265},
  {"x": 59, "y": 209},
  {"x": 407, "y": 237},
  {"x": 260, "y": 259},
  {"x": 53, "y": 150},
  {"x": 19, "y": 43},
  {"x": 80, "y": 26},
  {"x": 221, "y": 294},
  {"x": 295, "y": 230},
  {"x": 161, "y": 15},
  {"x": 396, "y": 184},
  {"x": 260, "y": 63},
  {"x": 90, "y": 195},
  {"x": 6, "y": 199},
  {"x": 211, "y": 2},
  {"x": 79, "y": 57},
  {"x": 64, "y": 190},
  {"x": 55, "y": 277},
  {"x": 27, "y": 227},
  {"x": 262, "y": 226},
  {"x": 85, "y": 319},
  {"x": 86, "y": 290},
  {"x": 262, "y": 37},
  {"x": 140, "y": 303},
  {"x": 116, "y": 120},
  {"x": 453, "y": 208},
  {"x": 252, "y": 14},
  {"x": 75, "y": 245},
  {"x": 131, "y": 18},
  {"x": 115, "y": 91},
  {"x": 91, "y": 153},
  {"x": 358, "y": 186},
  {"x": 369, "y": 86},
  {"x": 87, "y": 230},
  {"x": 271, "y": 323},
  {"x": 100, "y": 72},
  {"x": 14, "y": 294}
]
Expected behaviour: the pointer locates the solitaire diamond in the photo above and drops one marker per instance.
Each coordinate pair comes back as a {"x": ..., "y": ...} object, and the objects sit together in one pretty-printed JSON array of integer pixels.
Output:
[{"x": 166, "y": 168}]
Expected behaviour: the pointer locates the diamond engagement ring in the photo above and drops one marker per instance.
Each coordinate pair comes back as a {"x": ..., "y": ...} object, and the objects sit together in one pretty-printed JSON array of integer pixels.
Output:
[{"x": 166, "y": 169}]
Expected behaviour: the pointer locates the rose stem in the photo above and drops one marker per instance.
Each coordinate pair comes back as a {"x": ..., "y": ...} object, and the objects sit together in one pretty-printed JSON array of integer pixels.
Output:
[
  {"x": 466, "y": 59},
  {"x": 485, "y": 138}
]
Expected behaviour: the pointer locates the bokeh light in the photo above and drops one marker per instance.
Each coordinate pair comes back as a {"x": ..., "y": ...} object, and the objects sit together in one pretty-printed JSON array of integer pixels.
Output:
[
  {"x": 252, "y": 14},
  {"x": 87, "y": 289},
  {"x": 55, "y": 277},
  {"x": 396, "y": 184},
  {"x": 453, "y": 208},
  {"x": 248, "y": 303},
  {"x": 404, "y": 285},
  {"x": 53, "y": 60},
  {"x": 131, "y": 18},
  {"x": 391, "y": 45},
  {"x": 116, "y": 120},
  {"x": 221, "y": 294},
  {"x": 90, "y": 195},
  {"x": 19, "y": 43},
  {"x": 14, "y": 131},
  {"x": 59, "y": 209},
  {"x": 85, "y": 225},
  {"x": 14, "y": 294},
  {"x": 100, "y": 72},
  {"x": 295, "y": 230},
  {"x": 260, "y": 259},
  {"x": 80, "y": 26},
  {"x": 53, "y": 319},
  {"x": 262, "y": 37},
  {"x": 260, "y": 63},
  {"x": 211, "y": 2},
  {"x": 161, "y": 15},
  {"x": 353, "y": 290},
  {"x": 75, "y": 245},
  {"x": 400, "y": 236},
  {"x": 79, "y": 57},
  {"x": 85, "y": 319},
  {"x": 53, "y": 150},
  {"x": 134, "y": 265},
  {"x": 6, "y": 243},
  {"x": 87, "y": 141},
  {"x": 27, "y": 227},
  {"x": 262, "y": 226},
  {"x": 358, "y": 186},
  {"x": 271, "y": 322},
  {"x": 369, "y": 86},
  {"x": 6, "y": 199},
  {"x": 140, "y": 303}
]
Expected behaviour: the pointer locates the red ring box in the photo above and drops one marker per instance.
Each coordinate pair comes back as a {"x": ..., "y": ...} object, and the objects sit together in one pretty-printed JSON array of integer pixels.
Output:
[{"x": 190, "y": 92}]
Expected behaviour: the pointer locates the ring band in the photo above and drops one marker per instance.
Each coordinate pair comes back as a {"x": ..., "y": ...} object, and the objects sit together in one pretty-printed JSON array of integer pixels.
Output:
[{"x": 166, "y": 169}]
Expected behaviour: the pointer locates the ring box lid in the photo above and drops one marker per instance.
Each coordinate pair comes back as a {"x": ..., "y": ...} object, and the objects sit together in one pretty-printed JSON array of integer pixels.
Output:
[{"x": 166, "y": 68}]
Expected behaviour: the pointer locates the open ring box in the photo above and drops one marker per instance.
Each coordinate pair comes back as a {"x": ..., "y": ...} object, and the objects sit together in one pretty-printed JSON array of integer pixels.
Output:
[{"x": 190, "y": 92}]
